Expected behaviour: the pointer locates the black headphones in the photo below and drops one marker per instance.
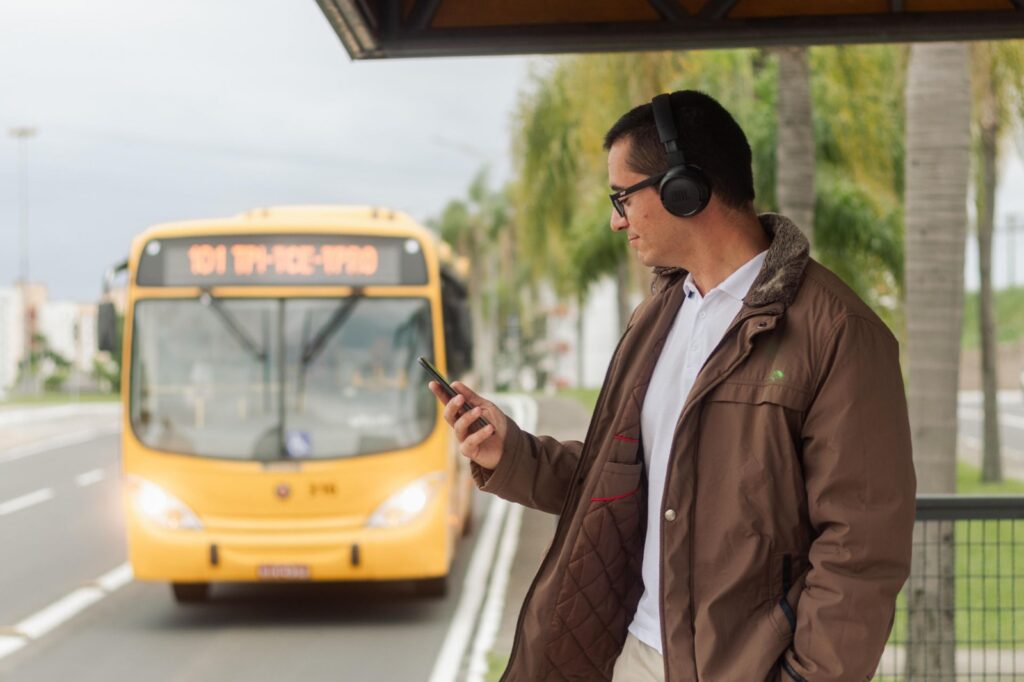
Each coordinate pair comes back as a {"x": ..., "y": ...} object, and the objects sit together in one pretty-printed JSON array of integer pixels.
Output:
[{"x": 684, "y": 190}]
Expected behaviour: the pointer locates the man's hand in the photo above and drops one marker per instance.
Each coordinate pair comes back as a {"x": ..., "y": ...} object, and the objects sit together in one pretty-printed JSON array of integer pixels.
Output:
[{"x": 484, "y": 446}]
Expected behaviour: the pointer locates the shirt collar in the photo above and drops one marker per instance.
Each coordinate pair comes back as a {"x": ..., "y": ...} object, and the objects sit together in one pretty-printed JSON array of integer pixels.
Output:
[{"x": 737, "y": 284}]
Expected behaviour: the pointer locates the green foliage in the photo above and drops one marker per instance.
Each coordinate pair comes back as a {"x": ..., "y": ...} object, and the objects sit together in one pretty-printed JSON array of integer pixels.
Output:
[
  {"x": 107, "y": 372},
  {"x": 44, "y": 362},
  {"x": 860, "y": 241},
  {"x": 859, "y": 113}
]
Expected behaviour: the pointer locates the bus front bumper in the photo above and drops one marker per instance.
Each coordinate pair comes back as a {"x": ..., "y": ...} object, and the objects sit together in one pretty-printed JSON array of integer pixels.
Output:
[{"x": 421, "y": 549}]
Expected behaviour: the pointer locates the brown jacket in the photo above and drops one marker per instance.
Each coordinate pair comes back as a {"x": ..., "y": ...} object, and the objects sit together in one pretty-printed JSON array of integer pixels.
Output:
[{"x": 788, "y": 505}]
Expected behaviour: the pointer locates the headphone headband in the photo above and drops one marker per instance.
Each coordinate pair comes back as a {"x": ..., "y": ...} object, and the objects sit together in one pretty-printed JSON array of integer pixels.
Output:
[{"x": 664, "y": 119}]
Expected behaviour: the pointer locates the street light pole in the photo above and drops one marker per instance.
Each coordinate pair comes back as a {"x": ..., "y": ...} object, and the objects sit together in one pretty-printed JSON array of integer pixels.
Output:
[{"x": 22, "y": 134}]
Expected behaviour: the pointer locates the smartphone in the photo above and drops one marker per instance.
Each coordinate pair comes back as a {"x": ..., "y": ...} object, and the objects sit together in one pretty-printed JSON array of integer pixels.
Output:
[{"x": 447, "y": 388}]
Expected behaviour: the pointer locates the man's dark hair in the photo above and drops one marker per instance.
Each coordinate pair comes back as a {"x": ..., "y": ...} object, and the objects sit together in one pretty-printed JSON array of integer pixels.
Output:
[{"x": 708, "y": 135}]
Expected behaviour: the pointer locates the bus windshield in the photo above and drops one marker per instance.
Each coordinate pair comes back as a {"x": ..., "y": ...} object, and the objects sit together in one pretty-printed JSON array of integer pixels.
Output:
[{"x": 271, "y": 379}]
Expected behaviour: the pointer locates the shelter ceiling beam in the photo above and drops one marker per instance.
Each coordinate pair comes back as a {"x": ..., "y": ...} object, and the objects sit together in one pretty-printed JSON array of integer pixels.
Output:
[
  {"x": 715, "y": 10},
  {"x": 670, "y": 11}
]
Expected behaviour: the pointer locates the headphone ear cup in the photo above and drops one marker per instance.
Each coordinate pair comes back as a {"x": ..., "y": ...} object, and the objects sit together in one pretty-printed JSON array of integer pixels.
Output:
[{"x": 684, "y": 191}]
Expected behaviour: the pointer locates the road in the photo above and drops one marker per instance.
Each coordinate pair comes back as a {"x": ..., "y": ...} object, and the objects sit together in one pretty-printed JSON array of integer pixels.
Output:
[
  {"x": 1011, "y": 430},
  {"x": 61, "y": 529}
]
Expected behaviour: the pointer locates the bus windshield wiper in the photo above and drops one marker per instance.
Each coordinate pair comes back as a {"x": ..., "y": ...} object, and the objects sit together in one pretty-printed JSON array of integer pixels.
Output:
[
  {"x": 215, "y": 304},
  {"x": 315, "y": 346}
]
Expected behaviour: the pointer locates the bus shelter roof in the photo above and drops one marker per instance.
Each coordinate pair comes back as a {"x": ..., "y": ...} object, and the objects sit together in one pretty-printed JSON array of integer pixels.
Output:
[{"x": 388, "y": 29}]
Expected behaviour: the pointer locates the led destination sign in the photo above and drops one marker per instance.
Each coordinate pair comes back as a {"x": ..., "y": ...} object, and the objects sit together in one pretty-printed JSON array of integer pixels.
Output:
[{"x": 282, "y": 260}]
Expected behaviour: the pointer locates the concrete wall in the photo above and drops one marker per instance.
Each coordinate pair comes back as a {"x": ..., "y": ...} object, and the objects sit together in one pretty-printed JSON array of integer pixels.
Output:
[{"x": 1009, "y": 365}]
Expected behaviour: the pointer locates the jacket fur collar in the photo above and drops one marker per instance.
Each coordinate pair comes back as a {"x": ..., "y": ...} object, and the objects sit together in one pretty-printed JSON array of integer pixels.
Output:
[{"x": 781, "y": 274}]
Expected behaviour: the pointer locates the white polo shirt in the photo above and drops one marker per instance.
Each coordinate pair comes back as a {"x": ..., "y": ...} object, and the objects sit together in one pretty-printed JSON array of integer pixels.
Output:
[{"x": 699, "y": 326}]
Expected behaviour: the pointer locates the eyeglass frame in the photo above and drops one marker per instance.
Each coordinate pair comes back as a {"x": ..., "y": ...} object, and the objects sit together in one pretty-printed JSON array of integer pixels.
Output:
[{"x": 617, "y": 197}]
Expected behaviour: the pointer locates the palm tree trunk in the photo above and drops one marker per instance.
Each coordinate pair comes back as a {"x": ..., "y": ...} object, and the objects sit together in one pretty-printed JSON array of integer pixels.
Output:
[
  {"x": 622, "y": 284},
  {"x": 794, "y": 178},
  {"x": 985, "y": 189},
  {"x": 937, "y": 167}
]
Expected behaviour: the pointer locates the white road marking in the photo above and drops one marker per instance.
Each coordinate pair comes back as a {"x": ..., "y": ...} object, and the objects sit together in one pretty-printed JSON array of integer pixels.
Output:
[
  {"x": 490, "y": 619},
  {"x": 61, "y": 611},
  {"x": 1011, "y": 453},
  {"x": 975, "y": 414},
  {"x": 89, "y": 477},
  {"x": 114, "y": 580},
  {"x": 57, "y": 442},
  {"x": 446, "y": 667},
  {"x": 8, "y": 645},
  {"x": 449, "y": 660},
  {"x": 523, "y": 410},
  {"x": 26, "y": 501},
  {"x": 64, "y": 609}
]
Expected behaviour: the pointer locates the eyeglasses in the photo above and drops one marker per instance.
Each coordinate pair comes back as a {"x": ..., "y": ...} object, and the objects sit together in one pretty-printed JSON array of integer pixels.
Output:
[{"x": 617, "y": 197}]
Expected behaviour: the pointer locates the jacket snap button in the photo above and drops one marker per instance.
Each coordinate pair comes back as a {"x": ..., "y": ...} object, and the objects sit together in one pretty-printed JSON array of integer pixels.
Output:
[{"x": 670, "y": 514}]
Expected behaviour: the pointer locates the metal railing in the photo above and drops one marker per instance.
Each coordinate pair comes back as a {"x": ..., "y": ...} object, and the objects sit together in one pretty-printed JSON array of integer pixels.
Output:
[{"x": 960, "y": 616}]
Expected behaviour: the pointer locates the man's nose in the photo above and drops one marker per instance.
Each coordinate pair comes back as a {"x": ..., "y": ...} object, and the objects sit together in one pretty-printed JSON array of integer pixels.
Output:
[{"x": 618, "y": 222}]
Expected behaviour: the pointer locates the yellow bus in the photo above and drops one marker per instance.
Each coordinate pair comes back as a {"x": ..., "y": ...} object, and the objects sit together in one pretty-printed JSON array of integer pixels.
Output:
[{"x": 276, "y": 424}]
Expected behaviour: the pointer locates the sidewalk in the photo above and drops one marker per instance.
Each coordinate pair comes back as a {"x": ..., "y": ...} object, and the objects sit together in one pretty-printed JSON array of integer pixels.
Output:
[
  {"x": 27, "y": 426},
  {"x": 565, "y": 419}
]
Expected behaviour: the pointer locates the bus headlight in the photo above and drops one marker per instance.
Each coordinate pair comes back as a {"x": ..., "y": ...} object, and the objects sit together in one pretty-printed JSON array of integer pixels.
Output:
[
  {"x": 156, "y": 504},
  {"x": 407, "y": 503}
]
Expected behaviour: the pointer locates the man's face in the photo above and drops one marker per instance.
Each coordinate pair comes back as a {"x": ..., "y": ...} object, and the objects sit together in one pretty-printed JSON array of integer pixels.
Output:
[{"x": 652, "y": 231}]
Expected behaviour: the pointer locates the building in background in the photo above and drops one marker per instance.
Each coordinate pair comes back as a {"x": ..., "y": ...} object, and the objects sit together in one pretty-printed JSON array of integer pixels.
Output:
[
  {"x": 577, "y": 355},
  {"x": 12, "y": 338},
  {"x": 70, "y": 331},
  {"x": 30, "y": 321}
]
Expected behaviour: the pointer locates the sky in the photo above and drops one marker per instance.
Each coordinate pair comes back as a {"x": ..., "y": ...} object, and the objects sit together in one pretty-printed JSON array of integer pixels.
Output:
[{"x": 153, "y": 112}]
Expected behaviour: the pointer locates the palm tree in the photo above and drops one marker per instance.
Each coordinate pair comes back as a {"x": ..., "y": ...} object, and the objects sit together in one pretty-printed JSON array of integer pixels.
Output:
[
  {"x": 997, "y": 72},
  {"x": 937, "y": 166},
  {"x": 473, "y": 228},
  {"x": 795, "y": 155}
]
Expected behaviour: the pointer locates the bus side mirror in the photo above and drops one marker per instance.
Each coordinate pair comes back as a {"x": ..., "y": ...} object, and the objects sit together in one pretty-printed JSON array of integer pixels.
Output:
[
  {"x": 458, "y": 325},
  {"x": 106, "y": 327}
]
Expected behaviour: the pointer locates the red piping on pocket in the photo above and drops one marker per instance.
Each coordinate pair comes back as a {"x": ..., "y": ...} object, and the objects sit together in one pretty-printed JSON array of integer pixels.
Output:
[
  {"x": 625, "y": 438},
  {"x": 617, "y": 497}
]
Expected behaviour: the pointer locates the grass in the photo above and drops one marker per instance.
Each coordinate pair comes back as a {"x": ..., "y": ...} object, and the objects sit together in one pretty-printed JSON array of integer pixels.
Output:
[
  {"x": 586, "y": 396},
  {"x": 989, "y": 589},
  {"x": 496, "y": 664},
  {"x": 1009, "y": 305},
  {"x": 60, "y": 399}
]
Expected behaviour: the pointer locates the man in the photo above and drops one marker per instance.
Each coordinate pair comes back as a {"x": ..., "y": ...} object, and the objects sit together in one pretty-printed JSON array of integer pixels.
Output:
[{"x": 742, "y": 505}]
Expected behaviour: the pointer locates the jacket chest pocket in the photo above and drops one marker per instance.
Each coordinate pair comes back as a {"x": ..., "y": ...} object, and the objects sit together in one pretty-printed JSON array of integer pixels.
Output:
[
  {"x": 754, "y": 421},
  {"x": 601, "y": 583}
]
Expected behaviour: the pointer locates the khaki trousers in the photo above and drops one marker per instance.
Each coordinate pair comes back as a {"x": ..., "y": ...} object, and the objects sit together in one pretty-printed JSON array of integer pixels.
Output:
[{"x": 638, "y": 663}]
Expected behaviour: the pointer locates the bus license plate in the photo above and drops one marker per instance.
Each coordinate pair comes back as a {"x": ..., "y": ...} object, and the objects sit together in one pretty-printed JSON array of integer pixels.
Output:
[{"x": 283, "y": 572}]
